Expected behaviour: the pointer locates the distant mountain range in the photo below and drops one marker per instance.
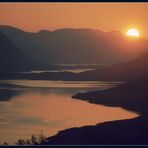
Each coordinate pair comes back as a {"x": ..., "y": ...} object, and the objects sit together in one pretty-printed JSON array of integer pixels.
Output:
[{"x": 76, "y": 46}]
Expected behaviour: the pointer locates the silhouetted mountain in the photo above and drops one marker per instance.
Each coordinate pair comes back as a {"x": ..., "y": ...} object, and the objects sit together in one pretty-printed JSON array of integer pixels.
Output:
[
  {"x": 65, "y": 45},
  {"x": 12, "y": 59},
  {"x": 78, "y": 46}
]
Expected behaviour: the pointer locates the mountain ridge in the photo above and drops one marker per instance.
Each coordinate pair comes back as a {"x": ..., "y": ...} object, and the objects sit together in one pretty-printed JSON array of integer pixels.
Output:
[{"x": 79, "y": 46}]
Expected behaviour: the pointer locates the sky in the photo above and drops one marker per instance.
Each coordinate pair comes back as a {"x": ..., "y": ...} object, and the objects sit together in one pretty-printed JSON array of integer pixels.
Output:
[{"x": 106, "y": 16}]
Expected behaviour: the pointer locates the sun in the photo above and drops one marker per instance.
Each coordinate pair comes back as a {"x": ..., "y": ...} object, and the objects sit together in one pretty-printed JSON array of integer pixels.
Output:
[{"x": 132, "y": 32}]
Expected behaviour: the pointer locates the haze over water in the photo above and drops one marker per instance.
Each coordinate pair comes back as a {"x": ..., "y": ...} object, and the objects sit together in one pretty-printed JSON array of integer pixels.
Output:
[{"x": 48, "y": 106}]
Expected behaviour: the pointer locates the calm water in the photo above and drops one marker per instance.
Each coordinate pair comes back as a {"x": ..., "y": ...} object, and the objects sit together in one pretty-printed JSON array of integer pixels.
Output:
[
  {"x": 48, "y": 106},
  {"x": 78, "y": 70}
]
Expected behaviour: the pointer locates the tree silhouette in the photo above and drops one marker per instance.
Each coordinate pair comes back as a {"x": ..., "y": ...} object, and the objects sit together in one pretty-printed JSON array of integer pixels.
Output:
[
  {"x": 34, "y": 139},
  {"x": 20, "y": 142},
  {"x": 41, "y": 138},
  {"x": 28, "y": 142},
  {"x": 5, "y": 143}
]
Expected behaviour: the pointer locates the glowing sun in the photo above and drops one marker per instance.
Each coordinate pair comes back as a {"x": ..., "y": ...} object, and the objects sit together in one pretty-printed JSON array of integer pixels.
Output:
[{"x": 132, "y": 32}]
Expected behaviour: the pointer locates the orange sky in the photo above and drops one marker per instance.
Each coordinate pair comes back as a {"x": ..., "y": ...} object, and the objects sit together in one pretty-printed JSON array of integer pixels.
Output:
[{"x": 104, "y": 16}]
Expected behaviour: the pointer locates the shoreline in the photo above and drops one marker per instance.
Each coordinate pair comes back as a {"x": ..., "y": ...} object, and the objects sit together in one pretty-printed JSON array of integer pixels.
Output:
[
  {"x": 118, "y": 132},
  {"x": 130, "y": 96}
]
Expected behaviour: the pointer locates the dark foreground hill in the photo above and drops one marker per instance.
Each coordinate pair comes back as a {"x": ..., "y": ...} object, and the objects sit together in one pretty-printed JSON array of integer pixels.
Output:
[
  {"x": 126, "y": 132},
  {"x": 132, "y": 96}
]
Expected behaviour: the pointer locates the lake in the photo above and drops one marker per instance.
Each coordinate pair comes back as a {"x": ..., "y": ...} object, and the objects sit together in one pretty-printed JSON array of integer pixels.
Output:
[{"x": 48, "y": 106}]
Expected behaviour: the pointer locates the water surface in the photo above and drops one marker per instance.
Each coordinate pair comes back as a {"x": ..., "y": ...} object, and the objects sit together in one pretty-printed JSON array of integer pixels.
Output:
[{"x": 48, "y": 106}]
